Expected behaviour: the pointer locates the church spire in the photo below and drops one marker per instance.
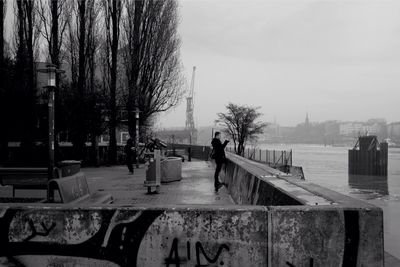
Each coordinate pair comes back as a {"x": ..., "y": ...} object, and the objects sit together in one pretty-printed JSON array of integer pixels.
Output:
[{"x": 307, "y": 122}]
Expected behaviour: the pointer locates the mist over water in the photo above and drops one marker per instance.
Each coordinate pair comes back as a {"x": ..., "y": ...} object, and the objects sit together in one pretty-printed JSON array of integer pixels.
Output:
[{"x": 327, "y": 166}]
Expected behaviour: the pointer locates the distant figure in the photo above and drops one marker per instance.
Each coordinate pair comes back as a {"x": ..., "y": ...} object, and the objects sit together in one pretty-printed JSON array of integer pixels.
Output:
[
  {"x": 218, "y": 155},
  {"x": 129, "y": 154}
]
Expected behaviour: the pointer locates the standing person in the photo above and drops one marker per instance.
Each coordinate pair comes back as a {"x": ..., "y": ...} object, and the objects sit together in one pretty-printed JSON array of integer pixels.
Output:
[
  {"x": 129, "y": 154},
  {"x": 218, "y": 156}
]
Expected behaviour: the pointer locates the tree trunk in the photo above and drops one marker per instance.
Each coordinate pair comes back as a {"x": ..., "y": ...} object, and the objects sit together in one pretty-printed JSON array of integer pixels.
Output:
[
  {"x": 112, "y": 152},
  {"x": 3, "y": 133},
  {"x": 54, "y": 55},
  {"x": 80, "y": 131},
  {"x": 133, "y": 100},
  {"x": 95, "y": 151}
]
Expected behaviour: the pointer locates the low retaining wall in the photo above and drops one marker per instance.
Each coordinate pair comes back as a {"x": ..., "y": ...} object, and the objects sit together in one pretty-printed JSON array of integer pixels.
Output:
[
  {"x": 113, "y": 236},
  {"x": 254, "y": 183},
  {"x": 190, "y": 236},
  {"x": 308, "y": 225}
]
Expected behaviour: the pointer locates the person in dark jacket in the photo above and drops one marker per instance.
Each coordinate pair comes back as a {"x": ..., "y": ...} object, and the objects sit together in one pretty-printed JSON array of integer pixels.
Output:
[
  {"x": 129, "y": 154},
  {"x": 218, "y": 156}
]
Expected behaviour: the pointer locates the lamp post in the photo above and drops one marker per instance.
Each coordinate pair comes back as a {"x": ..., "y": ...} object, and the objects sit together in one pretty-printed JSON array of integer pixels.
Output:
[
  {"x": 51, "y": 71},
  {"x": 137, "y": 112}
]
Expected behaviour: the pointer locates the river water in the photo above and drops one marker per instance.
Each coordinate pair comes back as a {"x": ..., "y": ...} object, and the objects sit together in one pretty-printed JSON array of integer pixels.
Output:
[{"x": 327, "y": 166}]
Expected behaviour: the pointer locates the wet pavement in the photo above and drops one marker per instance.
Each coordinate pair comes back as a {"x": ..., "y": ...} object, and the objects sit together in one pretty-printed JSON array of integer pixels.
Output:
[{"x": 196, "y": 186}]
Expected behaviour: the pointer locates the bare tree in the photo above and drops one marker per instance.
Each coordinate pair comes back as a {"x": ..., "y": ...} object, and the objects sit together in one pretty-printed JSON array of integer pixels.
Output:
[
  {"x": 83, "y": 48},
  {"x": 25, "y": 87},
  {"x": 94, "y": 101},
  {"x": 77, "y": 46},
  {"x": 3, "y": 135},
  {"x": 3, "y": 9},
  {"x": 52, "y": 14},
  {"x": 151, "y": 58},
  {"x": 240, "y": 124},
  {"x": 112, "y": 16}
]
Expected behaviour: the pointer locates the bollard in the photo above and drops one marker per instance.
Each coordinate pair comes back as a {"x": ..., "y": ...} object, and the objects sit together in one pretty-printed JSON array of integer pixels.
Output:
[{"x": 153, "y": 172}]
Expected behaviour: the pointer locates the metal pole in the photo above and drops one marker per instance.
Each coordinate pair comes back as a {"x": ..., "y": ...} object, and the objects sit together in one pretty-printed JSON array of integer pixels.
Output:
[
  {"x": 137, "y": 137},
  {"x": 50, "y": 170},
  {"x": 190, "y": 147}
]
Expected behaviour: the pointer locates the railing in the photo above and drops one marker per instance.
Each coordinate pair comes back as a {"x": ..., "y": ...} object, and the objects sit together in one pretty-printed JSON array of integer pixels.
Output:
[{"x": 274, "y": 158}]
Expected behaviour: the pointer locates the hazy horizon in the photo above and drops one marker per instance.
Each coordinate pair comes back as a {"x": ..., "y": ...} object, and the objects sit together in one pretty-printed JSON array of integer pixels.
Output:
[{"x": 336, "y": 60}]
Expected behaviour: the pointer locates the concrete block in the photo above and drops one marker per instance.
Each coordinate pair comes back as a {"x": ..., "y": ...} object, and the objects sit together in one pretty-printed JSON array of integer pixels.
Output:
[
  {"x": 325, "y": 237},
  {"x": 114, "y": 236},
  {"x": 306, "y": 237},
  {"x": 171, "y": 169}
]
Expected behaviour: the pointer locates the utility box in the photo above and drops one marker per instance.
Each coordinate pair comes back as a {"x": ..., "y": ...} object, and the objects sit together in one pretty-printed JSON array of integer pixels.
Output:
[
  {"x": 68, "y": 168},
  {"x": 153, "y": 172}
]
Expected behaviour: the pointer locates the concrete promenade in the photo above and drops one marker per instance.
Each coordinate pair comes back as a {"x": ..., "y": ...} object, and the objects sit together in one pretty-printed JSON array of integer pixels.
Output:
[{"x": 196, "y": 186}]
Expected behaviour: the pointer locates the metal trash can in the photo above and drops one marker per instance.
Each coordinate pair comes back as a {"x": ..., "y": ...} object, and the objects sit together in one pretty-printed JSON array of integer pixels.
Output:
[
  {"x": 68, "y": 167},
  {"x": 153, "y": 172}
]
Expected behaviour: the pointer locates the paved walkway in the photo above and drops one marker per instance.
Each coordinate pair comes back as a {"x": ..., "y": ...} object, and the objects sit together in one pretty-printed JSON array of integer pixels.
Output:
[{"x": 196, "y": 186}]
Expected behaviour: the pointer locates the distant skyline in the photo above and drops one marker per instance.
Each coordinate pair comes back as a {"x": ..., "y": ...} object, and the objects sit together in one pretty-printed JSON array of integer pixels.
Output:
[{"x": 336, "y": 60}]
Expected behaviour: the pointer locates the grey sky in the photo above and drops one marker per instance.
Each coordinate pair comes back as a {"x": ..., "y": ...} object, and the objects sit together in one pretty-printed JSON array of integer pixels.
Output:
[{"x": 334, "y": 59}]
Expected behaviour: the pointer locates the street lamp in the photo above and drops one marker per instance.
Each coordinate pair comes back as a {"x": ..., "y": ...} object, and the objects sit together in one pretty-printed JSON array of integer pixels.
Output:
[
  {"x": 137, "y": 112},
  {"x": 51, "y": 71}
]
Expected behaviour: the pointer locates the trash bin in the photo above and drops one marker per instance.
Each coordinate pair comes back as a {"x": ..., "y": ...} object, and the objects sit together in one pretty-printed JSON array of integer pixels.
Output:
[
  {"x": 68, "y": 167},
  {"x": 171, "y": 169},
  {"x": 153, "y": 172}
]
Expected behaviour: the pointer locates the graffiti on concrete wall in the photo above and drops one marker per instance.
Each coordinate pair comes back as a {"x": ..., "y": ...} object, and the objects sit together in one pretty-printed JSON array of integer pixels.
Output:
[
  {"x": 97, "y": 234},
  {"x": 125, "y": 237},
  {"x": 311, "y": 263},
  {"x": 176, "y": 258}
]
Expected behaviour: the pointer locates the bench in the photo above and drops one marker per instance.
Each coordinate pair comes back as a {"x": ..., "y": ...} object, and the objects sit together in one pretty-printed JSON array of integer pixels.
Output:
[
  {"x": 36, "y": 178},
  {"x": 74, "y": 189},
  {"x": 25, "y": 178}
]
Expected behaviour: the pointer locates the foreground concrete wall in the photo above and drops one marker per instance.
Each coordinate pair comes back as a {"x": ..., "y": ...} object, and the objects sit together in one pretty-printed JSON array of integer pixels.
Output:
[
  {"x": 190, "y": 236},
  {"x": 307, "y": 225},
  {"x": 317, "y": 236},
  {"x": 111, "y": 236}
]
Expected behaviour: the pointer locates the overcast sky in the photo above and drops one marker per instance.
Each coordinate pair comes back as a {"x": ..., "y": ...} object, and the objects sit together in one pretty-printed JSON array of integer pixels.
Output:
[{"x": 333, "y": 59}]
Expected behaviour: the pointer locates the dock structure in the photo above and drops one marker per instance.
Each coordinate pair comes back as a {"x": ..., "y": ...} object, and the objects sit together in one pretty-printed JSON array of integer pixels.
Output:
[
  {"x": 368, "y": 157},
  {"x": 261, "y": 217}
]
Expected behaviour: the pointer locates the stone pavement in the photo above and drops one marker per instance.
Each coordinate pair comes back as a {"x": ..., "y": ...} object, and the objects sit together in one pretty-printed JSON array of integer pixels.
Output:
[{"x": 196, "y": 186}]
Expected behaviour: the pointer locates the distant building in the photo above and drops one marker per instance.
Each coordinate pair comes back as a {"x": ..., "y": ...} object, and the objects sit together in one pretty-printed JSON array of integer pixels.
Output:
[
  {"x": 394, "y": 130},
  {"x": 351, "y": 128}
]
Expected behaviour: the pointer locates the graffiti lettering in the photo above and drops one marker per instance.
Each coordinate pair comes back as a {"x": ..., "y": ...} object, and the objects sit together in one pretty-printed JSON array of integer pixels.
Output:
[
  {"x": 36, "y": 233},
  {"x": 173, "y": 257},
  {"x": 292, "y": 265},
  {"x": 213, "y": 260}
]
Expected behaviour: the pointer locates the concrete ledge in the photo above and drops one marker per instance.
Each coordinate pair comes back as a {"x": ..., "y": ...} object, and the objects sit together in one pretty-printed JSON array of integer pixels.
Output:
[
  {"x": 116, "y": 236},
  {"x": 43, "y": 235},
  {"x": 308, "y": 225},
  {"x": 253, "y": 183}
]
